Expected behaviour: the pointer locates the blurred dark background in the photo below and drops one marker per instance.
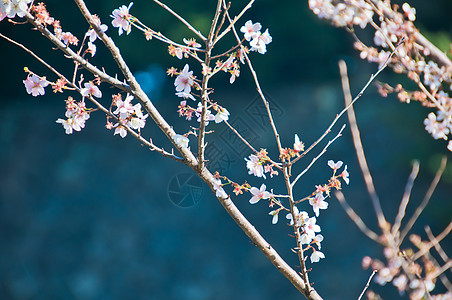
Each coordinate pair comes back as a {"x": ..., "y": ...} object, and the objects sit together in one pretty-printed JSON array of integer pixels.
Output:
[{"x": 94, "y": 216}]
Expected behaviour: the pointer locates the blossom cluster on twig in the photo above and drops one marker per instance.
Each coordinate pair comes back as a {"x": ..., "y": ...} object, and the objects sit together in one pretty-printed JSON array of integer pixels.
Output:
[{"x": 427, "y": 66}]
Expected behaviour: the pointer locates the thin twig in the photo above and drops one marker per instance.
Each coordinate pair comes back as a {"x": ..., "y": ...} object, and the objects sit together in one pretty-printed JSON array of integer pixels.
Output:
[
  {"x": 355, "y": 218},
  {"x": 425, "y": 201},
  {"x": 318, "y": 156},
  {"x": 241, "y": 138},
  {"x": 77, "y": 58},
  {"x": 368, "y": 284},
  {"x": 232, "y": 22},
  {"x": 438, "y": 247},
  {"x": 437, "y": 239},
  {"x": 382, "y": 67},
  {"x": 405, "y": 199},
  {"x": 256, "y": 80},
  {"x": 204, "y": 88},
  {"x": 197, "y": 32},
  {"x": 358, "y": 144}
]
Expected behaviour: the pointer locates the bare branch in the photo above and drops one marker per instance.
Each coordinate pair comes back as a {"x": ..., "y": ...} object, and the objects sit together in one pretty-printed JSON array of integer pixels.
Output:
[
  {"x": 358, "y": 144},
  {"x": 405, "y": 199},
  {"x": 197, "y": 32},
  {"x": 437, "y": 239},
  {"x": 355, "y": 218},
  {"x": 318, "y": 156},
  {"x": 426, "y": 199}
]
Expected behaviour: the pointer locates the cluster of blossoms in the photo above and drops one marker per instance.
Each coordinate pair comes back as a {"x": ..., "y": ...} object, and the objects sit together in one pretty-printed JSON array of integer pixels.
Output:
[
  {"x": 301, "y": 220},
  {"x": 353, "y": 12},
  {"x": 12, "y": 8},
  {"x": 259, "y": 164},
  {"x": 183, "y": 84},
  {"x": 258, "y": 40},
  {"x": 413, "y": 57},
  {"x": 76, "y": 113},
  {"x": 127, "y": 114},
  {"x": 405, "y": 274},
  {"x": 122, "y": 18}
]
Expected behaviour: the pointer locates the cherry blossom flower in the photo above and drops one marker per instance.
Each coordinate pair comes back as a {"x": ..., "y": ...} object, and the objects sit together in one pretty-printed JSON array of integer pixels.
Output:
[
  {"x": 184, "y": 81},
  {"x": 310, "y": 227},
  {"x": 121, "y": 19},
  {"x": 68, "y": 38},
  {"x": 260, "y": 42},
  {"x": 438, "y": 130},
  {"x": 345, "y": 174},
  {"x": 318, "y": 202},
  {"x": 35, "y": 85},
  {"x": 298, "y": 145},
  {"x": 334, "y": 165},
  {"x": 92, "y": 49},
  {"x": 185, "y": 95},
  {"x": 69, "y": 125},
  {"x": 410, "y": 12},
  {"x": 92, "y": 33},
  {"x": 259, "y": 194},
  {"x": 305, "y": 239},
  {"x": 274, "y": 213},
  {"x": 251, "y": 30},
  {"x": 124, "y": 108},
  {"x": 121, "y": 130},
  {"x": 2, "y": 14},
  {"x": 191, "y": 43},
  {"x": 316, "y": 256},
  {"x": 300, "y": 217},
  {"x": 91, "y": 89},
  {"x": 255, "y": 166},
  {"x": 449, "y": 146},
  {"x": 222, "y": 115},
  {"x": 15, "y": 7},
  {"x": 317, "y": 240},
  {"x": 218, "y": 188},
  {"x": 76, "y": 114},
  {"x": 181, "y": 140},
  {"x": 209, "y": 116}
]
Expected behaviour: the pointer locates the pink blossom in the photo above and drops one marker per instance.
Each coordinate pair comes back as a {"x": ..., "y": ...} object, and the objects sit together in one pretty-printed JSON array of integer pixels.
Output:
[
  {"x": 121, "y": 130},
  {"x": 318, "y": 202},
  {"x": 298, "y": 145},
  {"x": 274, "y": 213},
  {"x": 35, "y": 85},
  {"x": 334, "y": 165},
  {"x": 219, "y": 191},
  {"x": 316, "y": 256},
  {"x": 260, "y": 42},
  {"x": 92, "y": 33},
  {"x": 311, "y": 228},
  {"x": 255, "y": 166},
  {"x": 15, "y": 7},
  {"x": 185, "y": 95},
  {"x": 121, "y": 18},
  {"x": 91, "y": 89},
  {"x": 300, "y": 217},
  {"x": 344, "y": 175},
  {"x": 180, "y": 140},
  {"x": 184, "y": 81},
  {"x": 222, "y": 115},
  {"x": 259, "y": 194},
  {"x": 251, "y": 30},
  {"x": 125, "y": 108}
]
